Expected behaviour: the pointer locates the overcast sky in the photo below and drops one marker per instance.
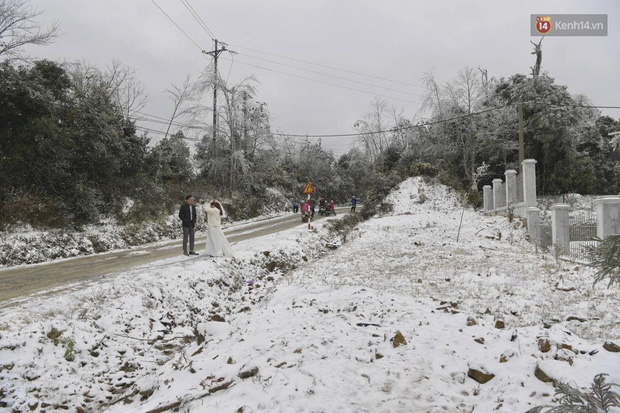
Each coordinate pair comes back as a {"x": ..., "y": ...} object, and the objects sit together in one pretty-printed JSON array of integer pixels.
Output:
[{"x": 395, "y": 40}]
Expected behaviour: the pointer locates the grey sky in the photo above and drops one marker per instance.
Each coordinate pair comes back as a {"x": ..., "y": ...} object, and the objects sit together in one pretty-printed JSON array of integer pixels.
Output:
[{"x": 391, "y": 39}]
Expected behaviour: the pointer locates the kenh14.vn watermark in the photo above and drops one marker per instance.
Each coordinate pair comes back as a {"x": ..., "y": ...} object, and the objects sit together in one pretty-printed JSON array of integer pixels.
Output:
[{"x": 568, "y": 24}]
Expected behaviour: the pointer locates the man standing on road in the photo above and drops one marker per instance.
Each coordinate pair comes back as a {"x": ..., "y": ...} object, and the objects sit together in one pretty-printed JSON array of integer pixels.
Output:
[
  {"x": 353, "y": 204},
  {"x": 187, "y": 214}
]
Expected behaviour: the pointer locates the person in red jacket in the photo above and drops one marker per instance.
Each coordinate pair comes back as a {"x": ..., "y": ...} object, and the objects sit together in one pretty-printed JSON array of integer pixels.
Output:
[
  {"x": 305, "y": 208},
  {"x": 331, "y": 207}
]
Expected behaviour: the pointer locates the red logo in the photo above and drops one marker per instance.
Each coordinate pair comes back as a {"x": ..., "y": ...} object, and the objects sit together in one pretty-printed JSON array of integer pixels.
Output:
[{"x": 543, "y": 24}]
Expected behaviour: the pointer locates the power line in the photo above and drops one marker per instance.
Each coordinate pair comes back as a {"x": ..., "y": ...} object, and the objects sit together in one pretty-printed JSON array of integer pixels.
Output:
[
  {"x": 326, "y": 83},
  {"x": 198, "y": 18},
  {"x": 334, "y": 76},
  {"x": 178, "y": 27},
  {"x": 331, "y": 67},
  {"x": 160, "y": 120},
  {"x": 430, "y": 123},
  {"x": 159, "y": 132},
  {"x": 342, "y": 135}
]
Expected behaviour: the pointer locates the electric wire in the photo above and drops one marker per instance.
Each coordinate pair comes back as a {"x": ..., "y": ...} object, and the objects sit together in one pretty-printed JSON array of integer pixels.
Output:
[
  {"x": 197, "y": 17},
  {"x": 418, "y": 125},
  {"x": 329, "y": 67},
  {"x": 326, "y": 83},
  {"x": 334, "y": 76},
  {"x": 178, "y": 27}
]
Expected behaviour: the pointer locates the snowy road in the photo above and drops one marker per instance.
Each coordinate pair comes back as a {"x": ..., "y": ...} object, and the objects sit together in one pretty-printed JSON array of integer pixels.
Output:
[{"x": 52, "y": 277}]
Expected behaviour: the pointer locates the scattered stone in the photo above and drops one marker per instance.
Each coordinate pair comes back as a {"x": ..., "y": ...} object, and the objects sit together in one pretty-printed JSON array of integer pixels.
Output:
[
  {"x": 297, "y": 351},
  {"x": 581, "y": 320},
  {"x": 247, "y": 372},
  {"x": 378, "y": 356},
  {"x": 217, "y": 317},
  {"x": 479, "y": 340},
  {"x": 563, "y": 355},
  {"x": 471, "y": 321},
  {"x": 399, "y": 340},
  {"x": 266, "y": 253},
  {"x": 479, "y": 375},
  {"x": 544, "y": 345},
  {"x": 230, "y": 361},
  {"x": 567, "y": 347},
  {"x": 611, "y": 346},
  {"x": 541, "y": 375},
  {"x": 507, "y": 355},
  {"x": 500, "y": 324}
]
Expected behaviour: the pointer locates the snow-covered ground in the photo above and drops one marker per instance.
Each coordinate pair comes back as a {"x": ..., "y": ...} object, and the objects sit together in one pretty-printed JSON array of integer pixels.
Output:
[{"x": 396, "y": 319}]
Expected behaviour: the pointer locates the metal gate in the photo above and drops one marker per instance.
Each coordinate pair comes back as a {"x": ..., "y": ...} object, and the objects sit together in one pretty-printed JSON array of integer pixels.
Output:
[{"x": 581, "y": 232}]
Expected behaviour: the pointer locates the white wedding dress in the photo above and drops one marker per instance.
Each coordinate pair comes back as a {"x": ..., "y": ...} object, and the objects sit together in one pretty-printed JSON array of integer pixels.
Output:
[{"x": 217, "y": 244}]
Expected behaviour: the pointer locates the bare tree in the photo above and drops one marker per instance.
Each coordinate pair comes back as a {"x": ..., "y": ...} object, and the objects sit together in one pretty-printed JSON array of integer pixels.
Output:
[
  {"x": 373, "y": 128},
  {"x": 18, "y": 27},
  {"x": 125, "y": 89},
  {"x": 120, "y": 82},
  {"x": 538, "y": 52},
  {"x": 181, "y": 95},
  {"x": 433, "y": 95}
]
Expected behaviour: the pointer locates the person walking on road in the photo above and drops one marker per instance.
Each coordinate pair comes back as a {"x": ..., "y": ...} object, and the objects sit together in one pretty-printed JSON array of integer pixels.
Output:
[
  {"x": 217, "y": 244},
  {"x": 353, "y": 204},
  {"x": 187, "y": 214}
]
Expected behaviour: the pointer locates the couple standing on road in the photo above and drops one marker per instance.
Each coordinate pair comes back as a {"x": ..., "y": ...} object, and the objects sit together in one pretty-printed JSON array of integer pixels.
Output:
[{"x": 216, "y": 244}]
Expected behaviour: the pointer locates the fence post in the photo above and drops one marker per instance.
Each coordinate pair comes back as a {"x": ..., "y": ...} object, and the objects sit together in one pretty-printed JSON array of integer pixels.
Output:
[
  {"x": 529, "y": 182},
  {"x": 607, "y": 216},
  {"x": 560, "y": 226},
  {"x": 533, "y": 224},
  {"x": 487, "y": 196},
  {"x": 497, "y": 188},
  {"x": 511, "y": 187}
]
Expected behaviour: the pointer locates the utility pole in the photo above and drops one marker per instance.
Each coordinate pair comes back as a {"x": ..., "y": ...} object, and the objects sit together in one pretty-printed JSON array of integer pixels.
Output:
[
  {"x": 521, "y": 141},
  {"x": 215, "y": 53}
]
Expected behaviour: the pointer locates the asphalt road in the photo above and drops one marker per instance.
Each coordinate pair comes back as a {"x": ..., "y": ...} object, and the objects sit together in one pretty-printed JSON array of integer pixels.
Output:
[{"x": 19, "y": 282}]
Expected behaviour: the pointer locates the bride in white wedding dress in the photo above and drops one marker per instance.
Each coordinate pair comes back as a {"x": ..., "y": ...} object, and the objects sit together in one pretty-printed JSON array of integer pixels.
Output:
[{"x": 217, "y": 244}]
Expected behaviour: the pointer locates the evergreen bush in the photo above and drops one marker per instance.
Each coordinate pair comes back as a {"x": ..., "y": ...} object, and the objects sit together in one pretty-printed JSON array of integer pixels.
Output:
[
  {"x": 605, "y": 257},
  {"x": 600, "y": 398}
]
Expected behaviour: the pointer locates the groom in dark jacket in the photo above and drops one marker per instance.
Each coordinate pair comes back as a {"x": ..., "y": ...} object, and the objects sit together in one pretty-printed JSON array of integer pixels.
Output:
[{"x": 187, "y": 213}]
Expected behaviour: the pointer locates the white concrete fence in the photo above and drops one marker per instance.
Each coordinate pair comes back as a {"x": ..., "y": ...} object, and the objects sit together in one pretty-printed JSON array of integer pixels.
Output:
[
  {"x": 607, "y": 222},
  {"x": 518, "y": 194}
]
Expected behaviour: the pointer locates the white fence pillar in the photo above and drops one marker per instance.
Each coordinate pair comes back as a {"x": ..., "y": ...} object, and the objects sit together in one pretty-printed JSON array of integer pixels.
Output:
[
  {"x": 607, "y": 216},
  {"x": 560, "y": 226},
  {"x": 497, "y": 193},
  {"x": 511, "y": 187},
  {"x": 529, "y": 182},
  {"x": 487, "y": 197},
  {"x": 533, "y": 224}
]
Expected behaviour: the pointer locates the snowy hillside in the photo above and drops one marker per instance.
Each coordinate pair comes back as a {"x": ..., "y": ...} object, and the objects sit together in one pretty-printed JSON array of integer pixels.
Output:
[{"x": 399, "y": 318}]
